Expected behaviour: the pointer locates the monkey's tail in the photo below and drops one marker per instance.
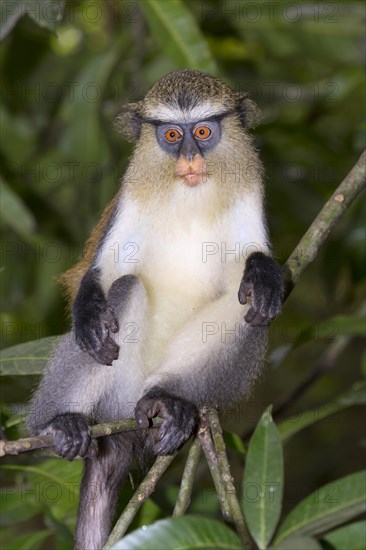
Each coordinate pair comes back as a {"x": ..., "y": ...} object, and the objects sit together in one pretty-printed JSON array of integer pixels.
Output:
[{"x": 102, "y": 478}]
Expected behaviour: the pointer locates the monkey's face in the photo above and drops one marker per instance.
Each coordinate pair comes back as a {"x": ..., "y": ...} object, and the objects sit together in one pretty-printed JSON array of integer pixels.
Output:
[
  {"x": 189, "y": 143},
  {"x": 191, "y": 135}
]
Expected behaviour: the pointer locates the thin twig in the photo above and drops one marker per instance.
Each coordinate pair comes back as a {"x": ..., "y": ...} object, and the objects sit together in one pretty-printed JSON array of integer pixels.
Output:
[
  {"x": 45, "y": 441},
  {"x": 228, "y": 484},
  {"x": 146, "y": 487},
  {"x": 186, "y": 485},
  {"x": 209, "y": 451}
]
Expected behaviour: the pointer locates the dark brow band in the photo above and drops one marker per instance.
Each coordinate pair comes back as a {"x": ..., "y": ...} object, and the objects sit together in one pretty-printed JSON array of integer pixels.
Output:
[{"x": 215, "y": 118}]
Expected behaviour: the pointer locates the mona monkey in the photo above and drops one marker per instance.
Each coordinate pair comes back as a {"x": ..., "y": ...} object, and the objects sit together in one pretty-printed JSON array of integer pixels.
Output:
[{"x": 174, "y": 295}]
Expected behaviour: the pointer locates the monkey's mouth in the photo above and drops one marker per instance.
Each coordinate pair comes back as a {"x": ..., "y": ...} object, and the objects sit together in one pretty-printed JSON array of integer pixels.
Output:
[
  {"x": 193, "y": 172},
  {"x": 192, "y": 179}
]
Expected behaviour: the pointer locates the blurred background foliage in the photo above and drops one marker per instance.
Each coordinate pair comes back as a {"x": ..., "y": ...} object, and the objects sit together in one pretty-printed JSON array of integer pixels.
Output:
[{"x": 66, "y": 69}]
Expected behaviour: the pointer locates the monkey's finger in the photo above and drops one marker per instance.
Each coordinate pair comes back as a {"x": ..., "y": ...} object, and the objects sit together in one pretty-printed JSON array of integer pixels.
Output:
[
  {"x": 166, "y": 427},
  {"x": 84, "y": 448},
  {"x": 109, "y": 350},
  {"x": 255, "y": 318},
  {"x": 245, "y": 290},
  {"x": 63, "y": 444},
  {"x": 92, "y": 449},
  {"x": 84, "y": 436},
  {"x": 146, "y": 409},
  {"x": 142, "y": 419},
  {"x": 104, "y": 352},
  {"x": 110, "y": 320},
  {"x": 172, "y": 440},
  {"x": 89, "y": 340}
]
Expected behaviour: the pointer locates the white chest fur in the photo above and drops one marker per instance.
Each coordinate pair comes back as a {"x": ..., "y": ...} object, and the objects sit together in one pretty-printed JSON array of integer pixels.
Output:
[
  {"x": 181, "y": 246},
  {"x": 185, "y": 255}
]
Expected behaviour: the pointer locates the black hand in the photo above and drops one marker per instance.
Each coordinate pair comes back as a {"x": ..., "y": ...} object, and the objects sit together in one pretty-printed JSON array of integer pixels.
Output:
[
  {"x": 179, "y": 419},
  {"x": 94, "y": 319},
  {"x": 263, "y": 282},
  {"x": 71, "y": 434}
]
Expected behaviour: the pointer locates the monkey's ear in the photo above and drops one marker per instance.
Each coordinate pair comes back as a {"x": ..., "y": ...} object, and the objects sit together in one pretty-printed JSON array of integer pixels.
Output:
[
  {"x": 249, "y": 112},
  {"x": 128, "y": 122}
]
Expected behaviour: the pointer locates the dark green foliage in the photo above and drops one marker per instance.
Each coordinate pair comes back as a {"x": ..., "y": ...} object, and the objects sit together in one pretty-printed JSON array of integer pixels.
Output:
[{"x": 66, "y": 70}]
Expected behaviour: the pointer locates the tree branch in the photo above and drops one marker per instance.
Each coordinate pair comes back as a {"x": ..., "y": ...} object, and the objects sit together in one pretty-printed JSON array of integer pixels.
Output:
[
  {"x": 146, "y": 487},
  {"x": 46, "y": 441},
  {"x": 227, "y": 479},
  {"x": 186, "y": 485},
  {"x": 209, "y": 451}
]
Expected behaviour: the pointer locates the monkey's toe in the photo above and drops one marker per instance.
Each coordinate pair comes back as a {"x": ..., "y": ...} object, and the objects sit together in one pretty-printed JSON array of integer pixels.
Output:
[{"x": 172, "y": 439}]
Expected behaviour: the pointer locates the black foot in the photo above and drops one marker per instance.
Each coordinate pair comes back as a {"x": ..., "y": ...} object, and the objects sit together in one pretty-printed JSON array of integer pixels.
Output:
[
  {"x": 179, "y": 419},
  {"x": 71, "y": 433}
]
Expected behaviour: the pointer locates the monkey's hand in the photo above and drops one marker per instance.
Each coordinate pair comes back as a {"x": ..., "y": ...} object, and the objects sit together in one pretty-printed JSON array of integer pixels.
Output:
[
  {"x": 179, "y": 419},
  {"x": 94, "y": 319},
  {"x": 261, "y": 281},
  {"x": 71, "y": 434}
]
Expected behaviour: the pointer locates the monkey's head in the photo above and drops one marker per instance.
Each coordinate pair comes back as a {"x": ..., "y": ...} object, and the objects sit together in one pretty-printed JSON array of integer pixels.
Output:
[{"x": 190, "y": 122}]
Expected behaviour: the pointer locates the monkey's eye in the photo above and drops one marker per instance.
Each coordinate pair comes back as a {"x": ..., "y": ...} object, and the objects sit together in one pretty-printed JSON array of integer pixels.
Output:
[
  {"x": 173, "y": 135},
  {"x": 202, "y": 132}
]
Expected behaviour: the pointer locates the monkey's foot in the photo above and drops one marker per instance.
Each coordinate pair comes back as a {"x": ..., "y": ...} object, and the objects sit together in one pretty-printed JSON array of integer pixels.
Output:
[
  {"x": 179, "y": 419},
  {"x": 71, "y": 434}
]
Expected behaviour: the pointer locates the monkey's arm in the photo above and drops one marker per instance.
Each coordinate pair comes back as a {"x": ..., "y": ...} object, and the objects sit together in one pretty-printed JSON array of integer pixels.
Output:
[
  {"x": 262, "y": 282},
  {"x": 94, "y": 320},
  {"x": 66, "y": 400}
]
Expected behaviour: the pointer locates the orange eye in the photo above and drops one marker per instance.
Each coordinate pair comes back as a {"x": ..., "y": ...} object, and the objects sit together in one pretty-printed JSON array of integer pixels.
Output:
[
  {"x": 173, "y": 135},
  {"x": 202, "y": 132}
]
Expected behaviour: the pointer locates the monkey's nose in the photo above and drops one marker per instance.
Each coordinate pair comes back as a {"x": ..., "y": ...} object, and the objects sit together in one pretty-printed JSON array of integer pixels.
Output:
[{"x": 189, "y": 148}]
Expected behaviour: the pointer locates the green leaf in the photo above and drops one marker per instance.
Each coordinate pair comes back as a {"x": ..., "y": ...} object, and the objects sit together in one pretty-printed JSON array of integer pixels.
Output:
[
  {"x": 10, "y": 12},
  {"x": 363, "y": 364},
  {"x": 21, "y": 139},
  {"x": 27, "y": 359},
  {"x": 356, "y": 395},
  {"x": 29, "y": 541},
  {"x": 353, "y": 325},
  {"x": 351, "y": 536},
  {"x": 46, "y": 13},
  {"x": 53, "y": 484},
  {"x": 234, "y": 442},
  {"x": 149, "y": 513},
  {"x": 46, "y": 472},
  {"x": 330, "y": 330},
  {"x": 14, "y": 212},
  {"x": 263, "y": 481},
  {"x": 14, "y": 507},
  {"x": 185, "y": 532},
  {"x": 180, "y": 38},
  {"x": 297, "y": 543},
  {"x": 327, "y": 507}
]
